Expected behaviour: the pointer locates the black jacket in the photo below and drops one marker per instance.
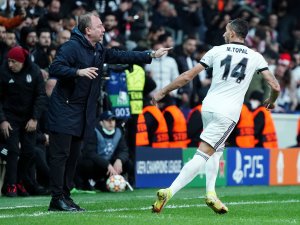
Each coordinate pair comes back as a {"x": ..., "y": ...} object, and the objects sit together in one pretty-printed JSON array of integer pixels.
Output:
[
  {"x": 22, "y": 95},
  {"x": 90, "y": 150},
  {"x": 73, "y": 103}
]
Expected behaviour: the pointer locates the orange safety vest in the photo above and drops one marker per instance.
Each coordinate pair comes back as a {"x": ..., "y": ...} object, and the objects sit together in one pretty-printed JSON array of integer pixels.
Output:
[
  {"x": 245, "y": 127},
  {"x": 141, "y": 137},
  {"x": 269, "y": 139},
  {"x": 198, "y": 107},
  {"x": 298, "y": 133},
  {"x": 179, "y": 131},
  {"x": 161, "y": 137}
]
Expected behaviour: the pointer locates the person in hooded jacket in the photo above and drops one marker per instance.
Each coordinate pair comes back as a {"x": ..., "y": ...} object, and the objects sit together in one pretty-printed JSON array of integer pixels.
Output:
[
  {"x": 22, "y": 101},
  {"x": 78, "y": 67},
  {"x": 104, "y": 155}
]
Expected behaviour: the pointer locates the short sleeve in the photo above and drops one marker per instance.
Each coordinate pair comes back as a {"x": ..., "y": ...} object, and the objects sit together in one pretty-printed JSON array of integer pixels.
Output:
[
  {"x": 262, "y": 63},
  {"x": 207, "y": 59}
]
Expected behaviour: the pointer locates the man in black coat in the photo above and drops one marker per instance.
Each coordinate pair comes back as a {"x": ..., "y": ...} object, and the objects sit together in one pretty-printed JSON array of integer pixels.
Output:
[
  {"x": 72, "y": 111},
  {"x": 22, "y": 101}
]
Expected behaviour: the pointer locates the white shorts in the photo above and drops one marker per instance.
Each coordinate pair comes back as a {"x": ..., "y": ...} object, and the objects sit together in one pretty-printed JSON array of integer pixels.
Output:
[{"x": 216, "y": 129}]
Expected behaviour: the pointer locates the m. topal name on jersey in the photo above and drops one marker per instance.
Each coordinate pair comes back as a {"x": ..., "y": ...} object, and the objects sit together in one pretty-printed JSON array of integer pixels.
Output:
[
  {"x": 158, "y": 166},
  {"x": 237, "y": 50}
]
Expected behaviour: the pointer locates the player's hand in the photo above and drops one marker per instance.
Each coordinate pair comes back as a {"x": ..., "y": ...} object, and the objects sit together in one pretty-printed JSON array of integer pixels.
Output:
[
  {"x": 268, "y": 104},
  {"x": 90, "y": 72},
  {"x": 162, "y": 51}
]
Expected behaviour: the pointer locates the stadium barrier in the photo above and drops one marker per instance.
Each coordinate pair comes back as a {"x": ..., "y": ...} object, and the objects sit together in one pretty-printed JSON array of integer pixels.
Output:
[{"x": 238, "y": 166}]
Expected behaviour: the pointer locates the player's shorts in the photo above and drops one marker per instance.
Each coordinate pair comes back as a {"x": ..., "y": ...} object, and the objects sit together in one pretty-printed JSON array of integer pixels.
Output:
[{"x": 216, "y": 129}]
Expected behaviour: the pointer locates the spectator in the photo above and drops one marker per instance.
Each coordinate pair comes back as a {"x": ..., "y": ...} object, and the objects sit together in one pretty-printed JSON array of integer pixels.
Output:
[
  {"x": 243, "y": 134},
  {"x": 152, "y": 36},
  {"x": 3, "y": 46},
  {"x": 28, "y": 38},
  {"x": 176, "y": 123},
  {"x": 69, "y": 23},
  {"x": 166, "y": 15},
  {"x": 152, "y": 129},
  {"x": 162, "y": 70},
  {"x": 41, "y": 55},
  {"x": 167, "y": 41},
  {"x": 34, "y": 10},
  {"x": 287, "y": 99},
  {"x": 264, "y": 129},
  {"x": 296, "y": 74},
  {"x": 62, "y": 37},
  {"x": 21, "y": 82},
  {"x": 78, "y": 8},
  {"x": 54, "y": 6},
  {"x": 51, "y": 21},
  {"x": 105, "y": 154},
  {"x": 150, "y": 122},
  {"x": 205, "y": 76},
  {"x": 185, "y": 61},
  {"x": 111, "y": 30},
  {"x": 190, "y": 16},
  {"x": 10, "y": 40},
  {"x": 194, "y": 126}
]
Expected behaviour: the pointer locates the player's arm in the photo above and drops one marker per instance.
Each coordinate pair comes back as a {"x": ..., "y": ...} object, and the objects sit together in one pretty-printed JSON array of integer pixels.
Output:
[
  {"x": 275, "y": 89},
  {"x": 180, "y": 81}
]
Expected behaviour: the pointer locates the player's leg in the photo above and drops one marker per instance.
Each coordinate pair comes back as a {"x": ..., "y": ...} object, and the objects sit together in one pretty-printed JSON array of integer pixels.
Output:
[
  {"x": 211, "y": 171},
  {"x": 190, "y": 170},
  {"x": 216, "y": 134},
  {"x": 186, "y": 175},
  {"x": 211, "y": 199}
]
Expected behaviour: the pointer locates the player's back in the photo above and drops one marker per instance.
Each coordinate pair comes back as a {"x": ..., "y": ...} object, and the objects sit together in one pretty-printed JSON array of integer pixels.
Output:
[{"x": 233, "y": 67}]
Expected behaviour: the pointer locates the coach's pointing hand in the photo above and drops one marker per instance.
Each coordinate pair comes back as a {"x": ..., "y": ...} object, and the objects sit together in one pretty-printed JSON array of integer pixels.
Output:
[{"x": 160, "y": 52}]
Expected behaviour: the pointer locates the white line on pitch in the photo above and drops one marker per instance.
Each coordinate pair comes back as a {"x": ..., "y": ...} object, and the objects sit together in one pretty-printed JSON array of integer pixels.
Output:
[{"x": 36, "y": 214}]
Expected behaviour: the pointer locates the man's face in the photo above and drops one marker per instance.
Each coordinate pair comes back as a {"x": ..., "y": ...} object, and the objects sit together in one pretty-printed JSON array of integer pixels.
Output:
[
  {"x": 11, "y": 40},
  {"x": 54, "y": 6},
  {"x": 110, "y": 22},
  {"x": 63, "y": 36},
  {"x": 109, "y": 124},
  {"x": 169, "y": 42},
  {"x": 56, "y": 25},
  {"x": 14, "y": 65},
  {"x": 2, "y": 33},
  {"x": 45, "y": 39},
  {"x": 96, "y": 30},
  {"x": 190, "y": 46},
  {"x": 31, "y": 39}
]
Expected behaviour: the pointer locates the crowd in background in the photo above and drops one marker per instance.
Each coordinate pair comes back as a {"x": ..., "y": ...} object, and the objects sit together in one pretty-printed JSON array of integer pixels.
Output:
[{"x": 191, "y": 27}]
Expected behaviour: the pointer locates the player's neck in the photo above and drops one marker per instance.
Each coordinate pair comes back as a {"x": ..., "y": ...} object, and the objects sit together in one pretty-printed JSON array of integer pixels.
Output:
[{"x": 237, "y": 41}]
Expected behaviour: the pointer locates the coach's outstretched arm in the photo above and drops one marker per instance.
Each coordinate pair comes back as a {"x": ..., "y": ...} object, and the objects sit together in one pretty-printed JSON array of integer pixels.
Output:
[
  {"x": 180, "y": 81},
  {"x": 275, "y": 89}
]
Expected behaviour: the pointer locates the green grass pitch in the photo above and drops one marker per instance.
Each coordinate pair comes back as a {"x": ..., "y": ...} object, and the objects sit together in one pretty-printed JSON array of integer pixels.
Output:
[{"x": 247, "y": 205}]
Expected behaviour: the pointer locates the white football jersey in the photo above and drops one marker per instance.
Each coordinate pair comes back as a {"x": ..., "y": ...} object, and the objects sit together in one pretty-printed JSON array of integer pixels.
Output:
[{"x": 233, "y": 66}]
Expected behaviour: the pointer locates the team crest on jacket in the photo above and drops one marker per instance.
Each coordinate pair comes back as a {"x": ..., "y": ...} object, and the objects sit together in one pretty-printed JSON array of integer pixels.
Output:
[{"x": 28, "y": 78}]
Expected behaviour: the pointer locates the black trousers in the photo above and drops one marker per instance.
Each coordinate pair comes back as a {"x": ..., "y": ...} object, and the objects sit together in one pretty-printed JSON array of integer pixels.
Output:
[
  {"x": 16, "y": 170},
  {"x": 64, "y": 151}
]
